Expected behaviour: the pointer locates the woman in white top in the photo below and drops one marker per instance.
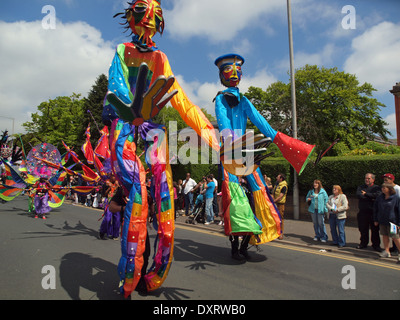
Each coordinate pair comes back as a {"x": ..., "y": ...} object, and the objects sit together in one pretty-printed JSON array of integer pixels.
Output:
[{"x": 337, "y": 205}]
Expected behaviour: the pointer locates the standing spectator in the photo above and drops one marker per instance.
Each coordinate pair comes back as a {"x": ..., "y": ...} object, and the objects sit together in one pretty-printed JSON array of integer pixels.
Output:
[
  {"x": 68, "y": 185},
  {"x": 181, "y": 200},
  {"x": 188, "y": 186},
  {"x": 215, "y": 202},
  {"x": 386, "y": 211},
  {"x": 95, "y": 194},
  {"x": 209, "y": 195},
  {"x": 175, "y": 197},
  {"x": 202, "y": 188},
  {"x": 317, "y": 199},
  {"x": 88, "y": 202},
  {"x": 74, "y": 182},
  {"x": 337, "y": 205},
  {"x": 366, "y": 194},
  {"x": 279, "y": 195},
  {"x": 389, "y": 178},
  {"x": 268, "y": 182}
]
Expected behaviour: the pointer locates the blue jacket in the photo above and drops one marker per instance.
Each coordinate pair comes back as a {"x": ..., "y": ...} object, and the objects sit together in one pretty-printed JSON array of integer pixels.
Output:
[
  {"x": 322, "y": 200},
  {"x": 387, "y": 210}
]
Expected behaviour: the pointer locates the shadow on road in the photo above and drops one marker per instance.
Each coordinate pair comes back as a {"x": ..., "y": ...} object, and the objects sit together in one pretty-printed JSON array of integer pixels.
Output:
[
  {"x": 204, "y": 256},
  {"x": 65, "y": 231},
  {"x": 79, "y": 270}
]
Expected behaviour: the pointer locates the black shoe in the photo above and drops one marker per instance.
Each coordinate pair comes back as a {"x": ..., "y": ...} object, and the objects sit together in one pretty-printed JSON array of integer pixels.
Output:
[
  {"x": 378, "y": 249},
  {"x": 361, "y": 246},
  {"x": 245, "y": 254},
  {"x": 141, "y": 288},
  {"x": 237, "y": 256},
  {"x": 101, "y": 236}
]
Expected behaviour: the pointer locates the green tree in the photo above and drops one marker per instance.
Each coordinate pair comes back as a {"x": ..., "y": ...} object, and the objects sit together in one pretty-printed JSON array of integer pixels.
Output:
[
  {"x": 94, "y": 104},
  {"x": 331, "y": 104},
  {"x": 168, "y": 114},
  {"x": 56, "y": 120}
]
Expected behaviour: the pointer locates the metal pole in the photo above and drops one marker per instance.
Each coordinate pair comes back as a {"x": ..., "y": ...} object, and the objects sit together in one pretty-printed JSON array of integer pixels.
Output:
[
  {"x": 296, "y": 211},
  {"x": 13, "y": 120},
  {"x": 396, "y": 92}
]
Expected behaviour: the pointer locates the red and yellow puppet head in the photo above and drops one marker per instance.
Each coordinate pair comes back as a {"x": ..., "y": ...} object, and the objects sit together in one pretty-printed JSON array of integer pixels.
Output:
[
  {"x": 145, "y": 19},
  {"x": 230, "y": 69}
]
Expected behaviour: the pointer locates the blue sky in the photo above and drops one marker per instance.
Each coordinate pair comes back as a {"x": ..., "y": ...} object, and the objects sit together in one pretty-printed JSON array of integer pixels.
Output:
[{"x": 39, "y": 64}]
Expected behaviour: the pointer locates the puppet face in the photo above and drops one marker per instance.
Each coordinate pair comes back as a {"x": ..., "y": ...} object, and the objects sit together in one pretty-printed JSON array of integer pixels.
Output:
[
  {"x": 146, "y": 19},
  {"x": 230, "y": 69},
  {"x": 230, "y": 74}
]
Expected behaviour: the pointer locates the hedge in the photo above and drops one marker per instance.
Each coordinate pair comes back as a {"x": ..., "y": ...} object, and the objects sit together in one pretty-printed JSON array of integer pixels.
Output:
[{"x": 348, "y": 171}]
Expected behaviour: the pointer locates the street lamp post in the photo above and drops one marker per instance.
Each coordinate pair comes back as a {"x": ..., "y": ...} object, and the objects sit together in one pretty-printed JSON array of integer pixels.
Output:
[
  {"x": 13, "y": 120},
  {"x": 396, "y": 92},
  {"x": 296, "y": 211}
]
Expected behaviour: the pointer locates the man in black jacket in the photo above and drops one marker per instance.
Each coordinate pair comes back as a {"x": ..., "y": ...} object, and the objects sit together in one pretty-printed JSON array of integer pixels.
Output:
[{"x": 366, "y": 194}]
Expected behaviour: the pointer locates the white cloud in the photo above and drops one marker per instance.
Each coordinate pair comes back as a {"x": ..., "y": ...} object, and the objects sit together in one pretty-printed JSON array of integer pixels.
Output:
[
  {"x": 201, "y": 94},
  {"x": 38, "y": 65},
  {"x": 375, "y": 56},
  {"x": 261, "y": 79},
  {"x": 391, "y": 127},
  {"x": 217, "y": 20},
  {"x": 301, "y": 58},
  {"x": 321, "y": 58}
]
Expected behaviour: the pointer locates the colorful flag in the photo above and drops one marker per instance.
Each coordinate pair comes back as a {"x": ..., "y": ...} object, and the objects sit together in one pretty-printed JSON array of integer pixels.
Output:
[
  {"x": 88, "y": 172},
  {"x": 87, "y": 148},
  {"x": 8, "y": 193},
  {"x": 12, "y": 177},
  {"x": 102, "y": 149}
]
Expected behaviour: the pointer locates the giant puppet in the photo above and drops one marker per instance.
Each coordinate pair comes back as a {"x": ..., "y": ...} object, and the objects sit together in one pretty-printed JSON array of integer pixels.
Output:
[
  {"x": 139, "y": 78},
  {"x": 232, "y": 110},
  {"x": 141, "y": 82}
]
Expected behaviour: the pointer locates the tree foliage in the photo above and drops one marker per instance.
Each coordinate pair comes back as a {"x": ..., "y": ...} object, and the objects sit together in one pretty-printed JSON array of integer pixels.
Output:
[
  {"x": 94, "y": 104},
  {"x": 330, "y": 104},
  {"x": 66, "y": 119},
  {"x": 56, "y": 120}
]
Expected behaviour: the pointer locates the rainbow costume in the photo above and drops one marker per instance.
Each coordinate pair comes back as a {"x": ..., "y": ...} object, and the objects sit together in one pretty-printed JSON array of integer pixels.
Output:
[
  {"x": 139, "y": 78},
  {"x": 232, "y": 109}
]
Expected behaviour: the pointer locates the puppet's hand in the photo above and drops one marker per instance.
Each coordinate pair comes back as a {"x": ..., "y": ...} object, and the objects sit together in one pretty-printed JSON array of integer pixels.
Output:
[
  {"x": 242, "y": 161},
  {"x": 145, "y": 105}
]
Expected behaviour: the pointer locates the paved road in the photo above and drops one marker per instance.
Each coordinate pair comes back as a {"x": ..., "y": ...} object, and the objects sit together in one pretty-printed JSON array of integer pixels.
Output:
[{"x": 85, "y": 267}]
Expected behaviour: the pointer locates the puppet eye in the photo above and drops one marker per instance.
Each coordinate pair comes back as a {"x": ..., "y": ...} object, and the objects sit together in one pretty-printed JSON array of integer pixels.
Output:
[
  {"x": 140, "y": 8},
  {"x": 159, "y": 12},
  {"x": 228, "y": 69}
]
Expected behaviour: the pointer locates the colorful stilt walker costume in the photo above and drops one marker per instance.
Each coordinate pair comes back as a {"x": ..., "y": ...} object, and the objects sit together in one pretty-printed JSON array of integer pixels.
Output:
[
  {"x": 141, "y": 83},
  {"x": 232, "y": 110}
]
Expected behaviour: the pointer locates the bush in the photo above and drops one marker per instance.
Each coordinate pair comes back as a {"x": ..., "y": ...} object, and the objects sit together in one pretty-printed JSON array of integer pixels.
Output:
[{"x": 372, "y": 147}]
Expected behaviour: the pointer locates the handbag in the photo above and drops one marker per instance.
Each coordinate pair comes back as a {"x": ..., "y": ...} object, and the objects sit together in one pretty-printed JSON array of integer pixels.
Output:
[{"x": 394, "y": 229}]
